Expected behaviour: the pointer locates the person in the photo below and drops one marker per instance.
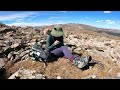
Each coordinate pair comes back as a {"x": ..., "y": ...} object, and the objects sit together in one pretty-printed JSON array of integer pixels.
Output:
[{"x": 55, "y": 45}]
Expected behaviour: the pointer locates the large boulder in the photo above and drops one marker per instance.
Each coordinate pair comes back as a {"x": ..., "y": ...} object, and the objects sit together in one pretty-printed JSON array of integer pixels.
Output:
[
  {"x": 5, "y": 30},
  {"x": 7, "y": 50}
]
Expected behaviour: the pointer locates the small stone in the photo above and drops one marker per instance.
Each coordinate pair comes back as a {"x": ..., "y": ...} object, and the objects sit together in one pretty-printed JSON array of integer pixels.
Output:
[
  {"x": 58, "y": 77},
  {"x": 33, "y": 61},
  {"x": 90, "y": 67},
  {"x": 39, "y": 76},
  {"x": 93, "y": 76}
]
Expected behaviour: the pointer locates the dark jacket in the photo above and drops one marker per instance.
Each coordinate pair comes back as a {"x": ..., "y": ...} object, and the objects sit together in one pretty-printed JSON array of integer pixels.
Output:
[{"x": 51, "y": 40}]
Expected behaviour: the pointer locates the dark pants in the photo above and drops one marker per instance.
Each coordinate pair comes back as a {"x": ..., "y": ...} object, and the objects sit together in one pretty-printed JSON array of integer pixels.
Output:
[{"x": 63, "y": 50}]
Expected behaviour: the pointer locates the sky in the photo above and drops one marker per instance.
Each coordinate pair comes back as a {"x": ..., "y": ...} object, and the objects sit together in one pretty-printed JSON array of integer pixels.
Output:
[{"x": 100, "y": 19}]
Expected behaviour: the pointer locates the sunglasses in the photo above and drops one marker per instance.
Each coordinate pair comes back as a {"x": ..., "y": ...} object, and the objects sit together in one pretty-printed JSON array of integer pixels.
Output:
[{"x": 58, "y": 29}]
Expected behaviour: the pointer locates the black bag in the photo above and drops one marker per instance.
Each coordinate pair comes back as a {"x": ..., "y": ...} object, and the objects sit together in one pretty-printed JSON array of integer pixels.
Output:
[{"x": 39, "y": 53}]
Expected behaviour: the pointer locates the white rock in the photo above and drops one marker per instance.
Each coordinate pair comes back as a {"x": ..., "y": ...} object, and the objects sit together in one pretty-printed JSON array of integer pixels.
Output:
[
  {"x": 118, "y": 75},
  {"x": 93, "y": 76},
  {"x": 58, "y": 77},
  {"x": 39, "y": 76},
  {"x": 15, "y": 45}
]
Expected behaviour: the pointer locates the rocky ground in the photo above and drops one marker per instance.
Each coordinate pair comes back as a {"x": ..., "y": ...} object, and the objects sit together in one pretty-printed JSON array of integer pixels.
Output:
[{"x": 16, "y": 42}]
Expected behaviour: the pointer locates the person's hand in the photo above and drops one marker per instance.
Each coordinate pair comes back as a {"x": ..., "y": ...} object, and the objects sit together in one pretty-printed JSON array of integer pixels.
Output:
[{"x": 56, "y": 42}]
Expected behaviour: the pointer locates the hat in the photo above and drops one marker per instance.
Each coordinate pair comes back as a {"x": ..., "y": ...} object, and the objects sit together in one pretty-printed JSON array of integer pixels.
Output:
[{"x": 57, "y": 31}]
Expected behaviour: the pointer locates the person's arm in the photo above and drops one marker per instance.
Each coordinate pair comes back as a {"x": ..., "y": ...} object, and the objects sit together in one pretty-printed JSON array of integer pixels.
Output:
[
  {"x": 61, "y": 42},
  {"x": 48, "y": 42}
]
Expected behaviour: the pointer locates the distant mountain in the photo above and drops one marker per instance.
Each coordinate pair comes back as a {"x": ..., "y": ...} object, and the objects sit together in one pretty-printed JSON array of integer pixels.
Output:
[
  {"x": 80, "y": 27},
  {"x": 113, "y": 32}
]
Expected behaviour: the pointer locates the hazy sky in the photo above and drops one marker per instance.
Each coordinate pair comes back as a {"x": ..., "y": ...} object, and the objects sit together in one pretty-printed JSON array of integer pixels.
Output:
[{"x": 102, "y": 19}]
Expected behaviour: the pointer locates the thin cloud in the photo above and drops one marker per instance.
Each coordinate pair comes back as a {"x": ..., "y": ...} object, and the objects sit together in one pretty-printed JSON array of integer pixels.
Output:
[
  {"x": 106, "y": 21},
  {"x": 32, "y": 17},
  {"x": 17, "y": 16},
  {"x": 59, "y": 17},
  {"x": 33, "y": 24},
  {"x": 109, "y": 22},
  {"x": 19, "y": 20},
  {"x": 99, "y": 21},
  {"x": 107, "y": 11}
]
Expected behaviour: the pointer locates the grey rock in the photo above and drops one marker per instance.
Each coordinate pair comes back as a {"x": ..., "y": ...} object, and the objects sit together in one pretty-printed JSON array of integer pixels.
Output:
[
  {"x": 15, "y": 45},
  {"x": 10, "y": 55},
  {"x": 1, "y": 63},
  {"x": 24, "y": 53},
  {"x": 7, "y": 50},
  {"x": 39, "y": 76},
  {"x": 2, "y": 55}
]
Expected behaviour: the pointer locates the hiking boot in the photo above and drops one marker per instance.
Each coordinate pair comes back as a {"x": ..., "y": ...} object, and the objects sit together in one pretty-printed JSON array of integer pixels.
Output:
[{"x": 81, "y": 62}]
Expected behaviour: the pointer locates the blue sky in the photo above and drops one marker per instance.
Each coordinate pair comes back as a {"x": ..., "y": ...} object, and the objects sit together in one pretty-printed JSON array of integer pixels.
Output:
[{"x": 102, "y": 19}]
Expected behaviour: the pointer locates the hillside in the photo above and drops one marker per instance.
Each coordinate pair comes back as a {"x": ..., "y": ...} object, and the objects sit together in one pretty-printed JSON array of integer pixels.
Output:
[{"x": 103, "y": 45}]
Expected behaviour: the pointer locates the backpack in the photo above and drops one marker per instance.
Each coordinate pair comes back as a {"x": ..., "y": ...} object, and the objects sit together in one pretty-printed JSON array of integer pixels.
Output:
[{"x": 39, "y": 54}]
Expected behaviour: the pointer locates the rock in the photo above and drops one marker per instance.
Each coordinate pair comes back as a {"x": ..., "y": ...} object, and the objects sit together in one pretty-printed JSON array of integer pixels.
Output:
[
  {"x": 27, "y": 74},
  {"x": 16, "y": 53},
  {"x": 13, "y": 76},
  {"x": 58, "y": 77},
  {"x": 118, "y": 75},
  {"x": 26, "y": 57},
  {"x": 107, "y": 44},
  {"x": 22, "y": 56},
  {"x": 7, "y": 50},
  {"x": 1, "y": 51},
  {"x": 31, "y": 43},
  {"x": 2, "y": 54},
  {"x": 17, "y": 58},
  {"x": 2, "y": 44},
  {"x": 39, "y": 76},
  {"x": 15, "y": 45},
  {"x": 1, "y": 63},
  {"x": 43, "y": 42},
  {"x": 91, "y": 77},
  {"x": 10, "y": 55},
  {"x": 5, "y": 30},
  {"x": 24, "y": 53},
  {"x": 20, "y": 46},
  {"x": 78, "y": 49},
  {"x": 1, "y": 38}
]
